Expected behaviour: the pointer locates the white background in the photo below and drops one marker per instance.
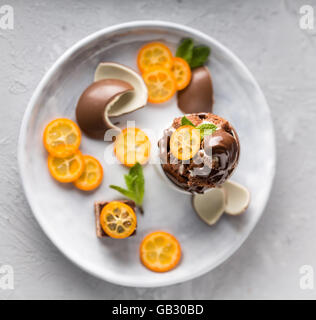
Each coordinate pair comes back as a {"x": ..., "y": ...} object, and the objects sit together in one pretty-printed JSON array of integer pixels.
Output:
[{"x": 282, "y": 57}]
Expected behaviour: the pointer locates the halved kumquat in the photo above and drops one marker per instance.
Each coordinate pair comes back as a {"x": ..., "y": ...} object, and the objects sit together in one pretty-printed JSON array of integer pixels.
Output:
[
  {"x": 160, "y": 251},
  {"x": 160, "y": 83},
  {"x": 182, "y": 72},
  {"x": 118, "y": 220},
  {"x": 62, "y": 137},
  {"x": 154, "y": 54},
  {"x": 67, "y": 169},
  {"x": 92, "y": 175},
  {"x": 132, "y": 145}
]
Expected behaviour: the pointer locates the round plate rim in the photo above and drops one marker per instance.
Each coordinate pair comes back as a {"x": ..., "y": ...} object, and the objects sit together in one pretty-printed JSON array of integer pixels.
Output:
[{"x": 45, "y": 79}]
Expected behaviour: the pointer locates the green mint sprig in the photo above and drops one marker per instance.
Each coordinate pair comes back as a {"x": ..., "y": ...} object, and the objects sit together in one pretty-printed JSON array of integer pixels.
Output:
[
  {"x": 185, "y": 50},
  {"x": 186, "y": 122},
  {"x": 135, "y": 184},
  {"x": 195, "y": 56},
  {"x": 199, "y": 56},
  {"x": 205, "y": 128}
]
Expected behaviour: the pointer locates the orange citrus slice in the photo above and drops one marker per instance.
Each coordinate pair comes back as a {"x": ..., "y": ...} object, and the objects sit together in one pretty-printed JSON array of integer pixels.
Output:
[
  {"x": 62, "y": 137},
  {"x": 118, "y": 220},
  {"x": 132, "y": 145},
  {"x": 182, "y": 72},
  {"x": 160, "y": 83},
  {"x": 185, "y": 142},
  {"x": 154, "y": 54},
  {"x": 160, "y": 251},
  {"x": 67, "y": 169},
  {"x": 92, "y": 175}
]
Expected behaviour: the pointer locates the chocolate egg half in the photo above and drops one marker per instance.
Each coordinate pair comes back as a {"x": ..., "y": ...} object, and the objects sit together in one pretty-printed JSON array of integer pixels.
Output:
[
  {"x": 198, "y": 95},
  {"x": 137, "y": 99},
  {"x": 94, "y": 105}
]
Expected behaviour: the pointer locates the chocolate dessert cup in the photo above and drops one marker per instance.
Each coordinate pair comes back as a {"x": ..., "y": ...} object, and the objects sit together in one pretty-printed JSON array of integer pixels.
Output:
[{"x": 213, "y": 163}]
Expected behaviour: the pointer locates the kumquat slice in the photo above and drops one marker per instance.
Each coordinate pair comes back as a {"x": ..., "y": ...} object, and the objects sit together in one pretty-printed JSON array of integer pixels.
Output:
[
  {"x": 62, "y": 137},
  {"x": 160, "y": 251},
  {"x": 132, "y": 145},
  {"x": 154, "y": 54},
  {"x": 92, "y": 175},
  {"x": 182, "y": 73},
  {"x": 67, "y": 169},
  {"x": 185, "y": 142},
  {"x": 118, "y": 220},
  {"x": 160, "y": 83}
]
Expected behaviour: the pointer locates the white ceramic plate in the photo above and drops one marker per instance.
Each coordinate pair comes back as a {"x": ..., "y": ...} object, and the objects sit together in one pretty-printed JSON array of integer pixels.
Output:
[{"x": 66, "y": 214}]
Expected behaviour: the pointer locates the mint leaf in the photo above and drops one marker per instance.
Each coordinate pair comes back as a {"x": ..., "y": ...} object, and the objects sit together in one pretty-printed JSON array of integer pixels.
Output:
[
  {"x": 195, "y": 56},
  {"x": 136, "y": 172},
  {"x": 206, "y": 129},
  {"x": 199, "y": 56},
  {"x": 207, "y": 126},
  {"x": 186, "y": 122},
  {"x": 127, "y": 193},
  {"x": 135, "y": 184},
  {"x": 185, "y": 50},
  {"x": 129, "y": 181}
]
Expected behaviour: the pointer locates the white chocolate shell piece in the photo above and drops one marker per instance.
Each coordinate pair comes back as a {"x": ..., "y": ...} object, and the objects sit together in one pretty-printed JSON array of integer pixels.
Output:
[
  {"x": 210, "y": 205},
  {"x": 238, "y": 198},
  {"x": 128, "y": 102}
]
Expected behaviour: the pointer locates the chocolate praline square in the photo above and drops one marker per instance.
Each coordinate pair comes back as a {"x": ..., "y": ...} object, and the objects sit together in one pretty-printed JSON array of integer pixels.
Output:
[{"x": 98, "y": 206}]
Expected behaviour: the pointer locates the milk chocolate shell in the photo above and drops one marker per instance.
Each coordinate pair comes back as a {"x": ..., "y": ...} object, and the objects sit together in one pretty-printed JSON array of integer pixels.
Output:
[
  {"x": 94, "y": 104},
  {"x": 198, "y": 95}
]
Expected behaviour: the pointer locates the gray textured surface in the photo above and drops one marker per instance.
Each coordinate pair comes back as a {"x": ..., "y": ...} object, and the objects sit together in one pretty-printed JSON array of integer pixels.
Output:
[{"x": 267, "y": 37}]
